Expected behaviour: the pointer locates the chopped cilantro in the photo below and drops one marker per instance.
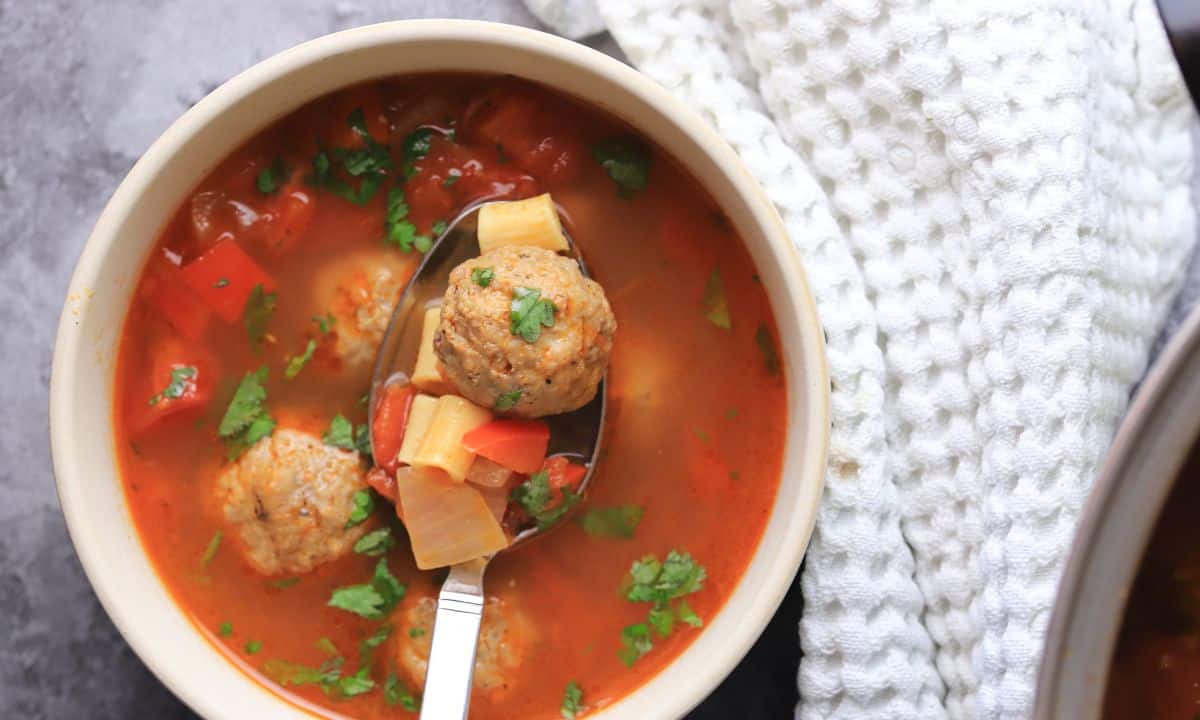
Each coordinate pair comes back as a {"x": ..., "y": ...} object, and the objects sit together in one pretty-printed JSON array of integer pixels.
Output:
[
  {"x": 182, "y": 379},
  {"x": 716, "y": 307},
  {"x": 415, "y": 146},
  {"x": 731, "y": 414},
  {"x": 226, "y": 629},
  {"x": 260, "y": 306},
  {"x": 572, "y": 702},
  {"x": 535, "y": 498},
  {"x": 371, "y": 600},
  {"x": 371, "y": 642},
  {"x": 325, "y": 324},
  {"x": 735, "y": 475},
  {"x": 326, "y": 646},
  {"x": 452, "y": 177},
  {"x": 635, "y": 642},
  {"x": 210, "y": 550},
  {"x": 284, "y": 583},
  {"x": 253, "y": 646},
  {"x": 618, "y": 522},
  {"x": 482, "y": 276},
  {"x": 416, "y": 632},
  {"x": 246, "y": 420},
  {"x": 701, "y": 434},
  {"x": 340, "y": 433},
  {"x": 400, "y": 231},
  {"x": 439, "y": 228},
  {"x": 364, "y": 505},
  {"x": 375, "y": 543},
  {"x": 395, "y": 693},
  {"x": 660, "y": 583},
  {"x": 508, "y": 400},
  {"x": 422, "y": 243},
  {"x": 501, "y": 157},
  {"x": 368, "y": 164},
  {"x": 766, "y": 346},
  {"x": 356, "y": 684},
  {"x": 296, "y": 363},
  {"x": 221, "y": 282},
  {"x": 362, "y": 440},
  {"x": 529, "y": 312},
  {"x": 272, "y": 176},
  {"x": 627, "y": 162},
  {"x": 286, "y": 673}
]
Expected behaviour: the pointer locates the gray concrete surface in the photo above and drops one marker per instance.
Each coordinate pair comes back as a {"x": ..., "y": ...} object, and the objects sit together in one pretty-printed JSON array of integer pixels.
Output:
[{"x": 85, "y": 87}]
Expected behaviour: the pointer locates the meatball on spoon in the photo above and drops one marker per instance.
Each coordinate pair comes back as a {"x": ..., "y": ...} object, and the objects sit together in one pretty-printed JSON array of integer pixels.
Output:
[{"x": 575, "y": 434}]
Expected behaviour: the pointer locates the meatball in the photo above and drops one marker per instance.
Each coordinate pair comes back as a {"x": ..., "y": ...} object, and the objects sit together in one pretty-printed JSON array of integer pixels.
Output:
[
  {"x": 289, "y": 497},
  {"x": 556, "y": 364},
  {"x": 360, "y": 291},
  {"x": 503, "y": 637}
]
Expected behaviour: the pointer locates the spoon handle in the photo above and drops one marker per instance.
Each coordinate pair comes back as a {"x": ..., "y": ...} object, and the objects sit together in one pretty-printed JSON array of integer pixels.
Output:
[{"x": 455, "y": 635}]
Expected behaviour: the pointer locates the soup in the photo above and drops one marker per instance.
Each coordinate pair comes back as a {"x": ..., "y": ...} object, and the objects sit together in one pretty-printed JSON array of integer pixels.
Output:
[
  {"x": 1156, "y": 666},
  {"x": 241, "y": 411}
]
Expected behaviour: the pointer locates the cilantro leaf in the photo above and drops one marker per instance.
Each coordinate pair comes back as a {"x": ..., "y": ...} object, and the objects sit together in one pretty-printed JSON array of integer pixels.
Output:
[
  {"x": 326, "y": 646},
  {"x": 371, "y": 642},
  {"x": 246, "y": 420},
  {"x": 766, "y": 346},
  {"x": 340, "y": 433},
  {"x": 662, "y": 620},
  {"x": 687, "y": 615},
  {"x": 395, "y": 693},
  {"x": 635, "y": 642},
  {"x": 415, "y": 146},
  {"x": 482, "y": 276},
  {"x": 260, "y": 306},
  {"x": 272, "y": 177},
  {"x": 210, "y": 550},
  {"x": 627, "y": 162},
  {"x": 253, "y": 647},
  {"x": 364, "y": 505},
  {"x": 400, "y": 231},
  {"x": 362, "y": 600},
  {"x": 572, "y": 702},
  {"x": 287, "y": 673},
  {"x": 296, "y": 363},
  {"x": 452, "y": 177},
  {"x": 368, "y": 164},
  {"x": 716, "y": 307},
  {"x": 529, "y": 312},
  {"x": 375, "y": 543},
  {"x": 356, "y": 684},
  {"x": 362, "y": 440},
  {"x": 535, "y": 496},
  {"x": 438, "y": 228},
  {"x": 325, "y": 324},
  {"x": 178, "y": 385},
  {"x": 226, "y": 629},
  {"x": 508, "y": 400},
  {"x": 416, "y": 632},
  {"x": 617, "y": 522}
]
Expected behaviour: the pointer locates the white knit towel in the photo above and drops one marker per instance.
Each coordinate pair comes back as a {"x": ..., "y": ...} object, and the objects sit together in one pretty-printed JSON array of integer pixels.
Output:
[{"x": 992, "y": 203}]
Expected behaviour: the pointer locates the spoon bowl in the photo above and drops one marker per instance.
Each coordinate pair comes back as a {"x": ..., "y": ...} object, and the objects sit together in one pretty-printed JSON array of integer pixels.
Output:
[{"x": 575, "y": 435}]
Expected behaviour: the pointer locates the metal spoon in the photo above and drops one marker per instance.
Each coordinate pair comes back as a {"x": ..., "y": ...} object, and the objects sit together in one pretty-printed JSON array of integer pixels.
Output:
[{"x": 577, "y": 434}]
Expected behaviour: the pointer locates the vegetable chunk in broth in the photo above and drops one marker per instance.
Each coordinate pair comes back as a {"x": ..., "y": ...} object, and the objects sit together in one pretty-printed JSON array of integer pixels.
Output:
[{"x": 241, "y": 417}]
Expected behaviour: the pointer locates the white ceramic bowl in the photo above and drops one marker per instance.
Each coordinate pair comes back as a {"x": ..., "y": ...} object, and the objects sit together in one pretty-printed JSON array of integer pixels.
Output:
[{"x": 81, "y": 390}]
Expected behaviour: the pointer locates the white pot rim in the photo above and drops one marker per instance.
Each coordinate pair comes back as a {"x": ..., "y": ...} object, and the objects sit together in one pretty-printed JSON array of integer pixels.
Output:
[{"x": 81, "y": 378}]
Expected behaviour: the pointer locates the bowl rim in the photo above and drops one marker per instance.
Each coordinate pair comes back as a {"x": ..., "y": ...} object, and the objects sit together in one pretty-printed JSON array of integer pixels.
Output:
[
  {"x": 810, "y": 354},
  {"x": 1115, "y": 527}
]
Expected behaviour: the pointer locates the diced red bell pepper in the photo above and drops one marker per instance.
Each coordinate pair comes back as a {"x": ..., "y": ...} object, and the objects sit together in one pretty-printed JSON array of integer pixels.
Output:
[
  {"x": 163, "y": 289},
  {"x": 224, "y": 277},
  {"x": 181, "y": 378},
  {"x": 387, "y": 427},
  {"x": 519, "y": 445},
  {"x": 562, "y": 473}
]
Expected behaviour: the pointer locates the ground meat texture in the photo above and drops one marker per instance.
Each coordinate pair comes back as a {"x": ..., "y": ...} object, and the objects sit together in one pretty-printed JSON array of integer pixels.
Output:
[
  {"x": 360, "y": 291},
  {"x": 556, "y": 373},
  {"x": 503, "y": 637},
  {"x": 288, "y": 498}
]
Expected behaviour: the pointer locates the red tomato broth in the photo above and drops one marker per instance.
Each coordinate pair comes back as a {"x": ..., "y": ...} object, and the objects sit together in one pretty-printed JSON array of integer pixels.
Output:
[{"x": 696, "y": 422}]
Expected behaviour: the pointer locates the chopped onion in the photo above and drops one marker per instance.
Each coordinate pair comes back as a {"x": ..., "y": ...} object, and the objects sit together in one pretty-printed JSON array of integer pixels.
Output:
[{"x": 448, "y": 522}]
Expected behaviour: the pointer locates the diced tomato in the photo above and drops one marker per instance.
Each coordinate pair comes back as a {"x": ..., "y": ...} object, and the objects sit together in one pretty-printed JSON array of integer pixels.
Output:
[
  {"x": 290, "y": 213},
  {"x": 529, "y": 132},
  {"x": 562, "y": 473},
  {"x": 164, "y": 290},
  {"x": 382, "y": 482},
  {"x": 519, "y": 445},
  {"x": 224, "y": 277},
  {"x": 387, "y": 427},
  {"x": 367, "y": 99},
  {"x": 180, "y": 379}
]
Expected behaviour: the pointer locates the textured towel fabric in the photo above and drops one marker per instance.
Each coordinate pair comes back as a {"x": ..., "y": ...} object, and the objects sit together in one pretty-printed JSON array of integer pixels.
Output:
[{"x": 992, "y": 203}]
